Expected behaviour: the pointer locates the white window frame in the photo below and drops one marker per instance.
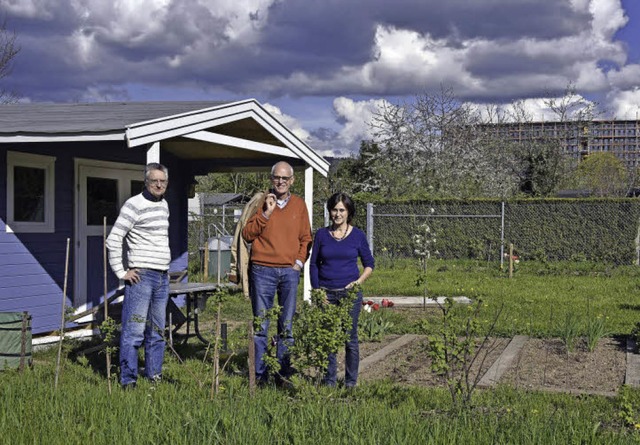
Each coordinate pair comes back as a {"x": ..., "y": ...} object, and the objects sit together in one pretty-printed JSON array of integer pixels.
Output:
[{"x": 46, "y": 163}]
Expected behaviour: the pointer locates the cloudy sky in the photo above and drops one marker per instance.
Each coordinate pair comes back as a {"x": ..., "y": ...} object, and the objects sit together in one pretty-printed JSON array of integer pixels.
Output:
[{"x": 324, "y": 66}]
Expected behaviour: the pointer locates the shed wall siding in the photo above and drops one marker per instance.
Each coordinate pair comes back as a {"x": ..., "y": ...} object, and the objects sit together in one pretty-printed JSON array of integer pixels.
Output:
[{"x": 32, "y": 265}]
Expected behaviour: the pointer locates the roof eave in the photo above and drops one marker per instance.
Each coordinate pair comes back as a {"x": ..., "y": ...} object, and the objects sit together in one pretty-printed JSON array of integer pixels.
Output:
[{"x": 195, "y": 122}]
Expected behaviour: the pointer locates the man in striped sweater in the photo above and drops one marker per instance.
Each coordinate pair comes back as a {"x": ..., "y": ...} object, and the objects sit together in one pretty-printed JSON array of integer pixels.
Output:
[
  {"x": 280, "y": 237},
  {"x": 139, "y": 254}
]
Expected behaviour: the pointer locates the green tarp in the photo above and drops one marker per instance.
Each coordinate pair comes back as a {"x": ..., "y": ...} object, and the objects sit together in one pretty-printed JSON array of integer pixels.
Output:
[{"x": 15, "y": 339}]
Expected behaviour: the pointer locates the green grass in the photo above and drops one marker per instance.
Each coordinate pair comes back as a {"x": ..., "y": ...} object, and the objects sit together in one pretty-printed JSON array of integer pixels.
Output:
[
  {"x": 535, "y": 302},
  {"x": 82, "y": 411}
]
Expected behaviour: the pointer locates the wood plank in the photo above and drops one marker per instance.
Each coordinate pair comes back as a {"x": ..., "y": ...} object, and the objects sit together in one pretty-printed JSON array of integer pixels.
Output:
[
  {"x": 503, "y": 362},
  {"x": 632, "y": 376},
  {"x": 384, "y": 352}
]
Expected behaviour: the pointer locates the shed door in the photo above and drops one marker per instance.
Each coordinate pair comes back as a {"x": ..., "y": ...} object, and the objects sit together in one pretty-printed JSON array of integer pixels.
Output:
[{"x": 101, "y": 193}]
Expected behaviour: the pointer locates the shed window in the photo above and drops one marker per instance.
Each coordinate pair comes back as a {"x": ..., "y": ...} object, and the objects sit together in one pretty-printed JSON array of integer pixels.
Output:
[{"x": 30, "y": 193}]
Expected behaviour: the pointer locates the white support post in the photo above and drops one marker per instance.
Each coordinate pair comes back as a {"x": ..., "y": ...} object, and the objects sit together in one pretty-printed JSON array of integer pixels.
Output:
[
  {"x": 308, "y": 199},
  {"x": 153, "y": 153}
]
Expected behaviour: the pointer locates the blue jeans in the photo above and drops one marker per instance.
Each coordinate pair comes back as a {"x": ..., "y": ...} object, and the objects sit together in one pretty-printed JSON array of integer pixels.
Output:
[
  {"x": 265, "y": 283},
  {"x": 143, "y": 319},
  {"x": 352, "y": 348}
]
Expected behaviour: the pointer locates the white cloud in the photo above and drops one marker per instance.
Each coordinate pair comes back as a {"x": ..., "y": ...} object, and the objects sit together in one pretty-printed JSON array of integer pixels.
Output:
[
  {"x": 288, "y": 121},
  {"x": 625, "y": 104},
  {"x": 356, "y": 116},
  {"x": 626, "y": 77},
  {"x": 84, "y": 44},
  {"x": 608, "y": 17}
]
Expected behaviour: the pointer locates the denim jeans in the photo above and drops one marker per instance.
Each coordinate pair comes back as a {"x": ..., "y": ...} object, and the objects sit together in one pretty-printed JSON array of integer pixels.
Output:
[
  {"x": 352, "y": 348},
  {"x": 265, "y": 283},
  {"x": 143, "y": 320}
]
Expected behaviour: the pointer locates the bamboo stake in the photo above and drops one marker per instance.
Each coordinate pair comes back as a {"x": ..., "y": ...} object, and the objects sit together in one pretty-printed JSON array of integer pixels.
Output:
[
  {"x": 23, "y": 341},
  {"x": 64, "y": 300},
  {"x": 215, "y": 383},
  {"x": 106, "y": 302},
  {"x": 251, "y": 360},
  {"x": 511, "y": 260}
]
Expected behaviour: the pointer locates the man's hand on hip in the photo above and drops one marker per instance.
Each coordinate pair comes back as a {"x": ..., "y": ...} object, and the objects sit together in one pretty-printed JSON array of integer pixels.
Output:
[{"x": 132, "y": 275}]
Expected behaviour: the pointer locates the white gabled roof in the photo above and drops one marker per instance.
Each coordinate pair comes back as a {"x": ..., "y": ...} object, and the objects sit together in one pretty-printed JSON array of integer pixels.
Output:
[
  {"x": 200, "y": 125},
  {"x": 192, "y": 130}
]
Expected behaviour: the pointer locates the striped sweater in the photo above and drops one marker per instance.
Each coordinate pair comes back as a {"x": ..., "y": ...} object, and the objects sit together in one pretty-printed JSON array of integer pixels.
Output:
[{"x": 140, "y": 236}]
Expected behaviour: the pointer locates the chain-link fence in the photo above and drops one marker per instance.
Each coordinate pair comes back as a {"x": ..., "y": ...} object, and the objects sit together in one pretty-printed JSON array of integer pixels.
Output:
[
  {"x": 546, "y": 230},
  {"x": 210, "y": 237},
  {"x": 462, "y": 230},
  {"x": 596, "y": 230}
]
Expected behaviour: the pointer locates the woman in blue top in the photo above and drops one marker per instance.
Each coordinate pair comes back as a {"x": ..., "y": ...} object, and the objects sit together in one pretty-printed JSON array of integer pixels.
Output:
[{"x": 334, "y": 268}]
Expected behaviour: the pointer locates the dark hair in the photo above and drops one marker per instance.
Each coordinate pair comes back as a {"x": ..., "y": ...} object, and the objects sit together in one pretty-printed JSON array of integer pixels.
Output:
[{"x": 344, "y": 199}]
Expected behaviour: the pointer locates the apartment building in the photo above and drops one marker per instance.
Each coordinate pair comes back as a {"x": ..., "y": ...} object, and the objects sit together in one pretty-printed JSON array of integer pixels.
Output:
[{"x": 620, "y": 137}]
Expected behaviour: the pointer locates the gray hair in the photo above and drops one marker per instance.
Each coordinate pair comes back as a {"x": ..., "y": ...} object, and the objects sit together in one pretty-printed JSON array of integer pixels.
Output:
[
  {"x": 273, "y": 169},
  {"x": 155, "y": 166}
]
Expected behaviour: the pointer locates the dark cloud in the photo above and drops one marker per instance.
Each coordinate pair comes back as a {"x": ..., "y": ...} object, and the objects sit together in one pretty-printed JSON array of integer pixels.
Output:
[
  {"x": 505, "y": 62},
  {"x": 292, "y": 38},
  {"x": 487, "y": 50},
  {"x": 492, "y": 19}
]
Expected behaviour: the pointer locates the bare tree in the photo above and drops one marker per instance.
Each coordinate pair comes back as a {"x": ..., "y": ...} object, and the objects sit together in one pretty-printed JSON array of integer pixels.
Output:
[
  {"x": 572, "y": 107},
  {"x": 439, "y": 145},
  {"x": 8, "y": 50}
]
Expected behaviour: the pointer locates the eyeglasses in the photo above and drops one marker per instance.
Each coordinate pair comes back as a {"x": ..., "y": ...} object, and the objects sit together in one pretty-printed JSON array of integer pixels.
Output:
[
  {"x": 280, "y": 178},
  {"x": 162, "y": 182}
]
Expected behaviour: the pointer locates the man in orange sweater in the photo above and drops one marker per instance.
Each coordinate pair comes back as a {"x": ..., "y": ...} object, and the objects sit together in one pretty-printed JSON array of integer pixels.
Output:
[{"x": 280, "y": 237}]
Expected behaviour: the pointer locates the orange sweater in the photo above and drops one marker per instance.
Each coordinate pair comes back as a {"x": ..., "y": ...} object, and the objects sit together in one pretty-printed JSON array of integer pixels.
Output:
[{"x": 283, "y": 238}]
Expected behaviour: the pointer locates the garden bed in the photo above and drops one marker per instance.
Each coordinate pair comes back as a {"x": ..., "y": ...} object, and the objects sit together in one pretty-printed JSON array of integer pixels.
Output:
[
  {"x": 545, "y": 364},
  {"x": 541, "y": 364},
  {"x": 411, "y": 365}
]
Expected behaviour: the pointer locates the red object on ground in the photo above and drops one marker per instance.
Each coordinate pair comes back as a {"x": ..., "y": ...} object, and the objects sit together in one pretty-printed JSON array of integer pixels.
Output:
[{"x": 375, "y": 306}]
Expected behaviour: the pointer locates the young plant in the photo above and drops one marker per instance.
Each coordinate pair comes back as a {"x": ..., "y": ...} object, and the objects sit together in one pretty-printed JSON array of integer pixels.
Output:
[
  {"x": 423, "y": 242},
  {"x": 109, "y": 329},
  {"x": 270, "y": 357},
  {"x": 596, "y": 328},
  {"x": 321, "y": 329},
  {"x": 456, "y": 345},
  {"x": 219, "y": 296},
  {"x": 569, "y": 331},
  {"x": 373, "y": 326}
]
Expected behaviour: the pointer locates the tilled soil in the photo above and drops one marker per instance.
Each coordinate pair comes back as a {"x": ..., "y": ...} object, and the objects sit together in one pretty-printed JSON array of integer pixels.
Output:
[
  {"x": 541, "y": 364},
  {"x": 545, "y": 364},
  {"x": 410, "y": 363}
]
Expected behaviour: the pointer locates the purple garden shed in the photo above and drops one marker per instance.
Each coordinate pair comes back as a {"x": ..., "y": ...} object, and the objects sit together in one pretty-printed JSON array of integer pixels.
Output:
[{"x": 64, "y": 167}]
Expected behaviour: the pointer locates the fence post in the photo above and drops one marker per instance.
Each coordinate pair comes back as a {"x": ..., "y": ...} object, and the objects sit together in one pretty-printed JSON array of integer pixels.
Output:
[
  {"x": 370, "y": 226},
  {"x": 502, "y": 238}
]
